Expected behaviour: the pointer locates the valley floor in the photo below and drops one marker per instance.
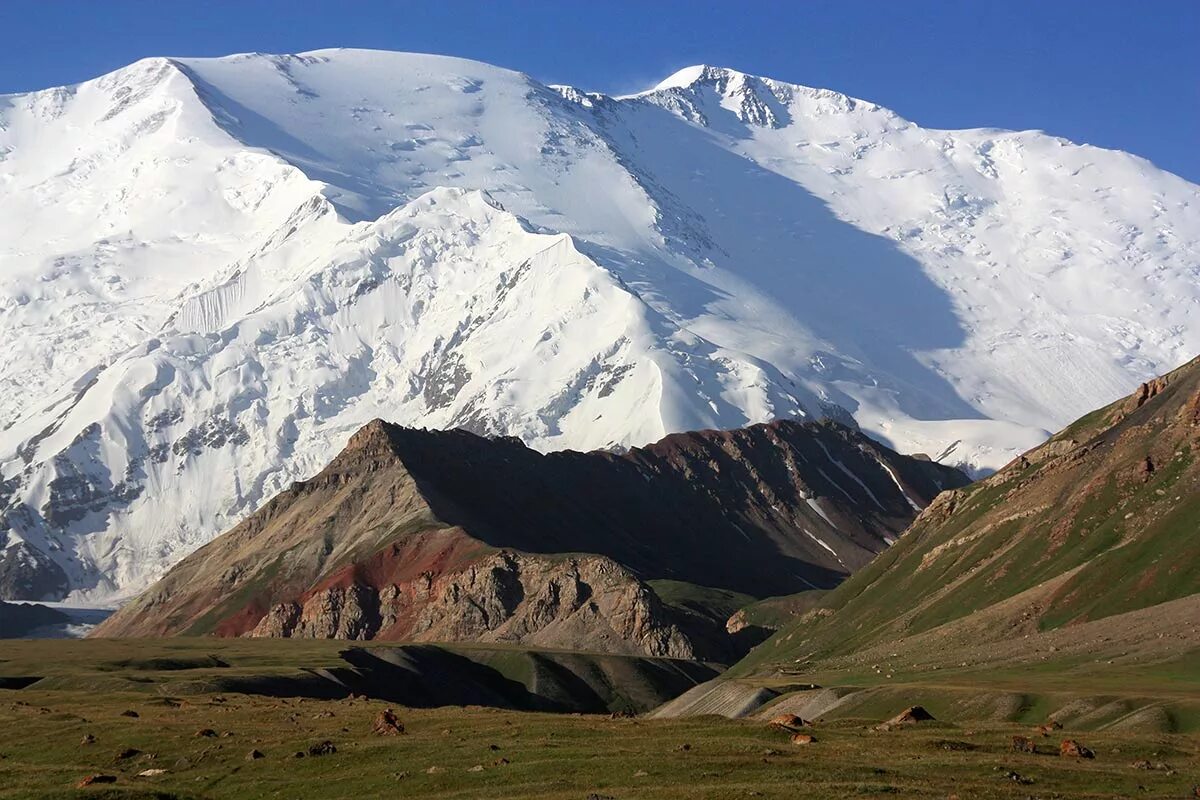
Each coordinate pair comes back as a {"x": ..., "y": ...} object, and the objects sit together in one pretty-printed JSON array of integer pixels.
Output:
[{"x": 200, "y": 738}]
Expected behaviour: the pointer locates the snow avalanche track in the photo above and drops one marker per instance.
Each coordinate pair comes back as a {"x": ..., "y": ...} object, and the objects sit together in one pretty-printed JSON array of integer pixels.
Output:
[{"x": 213, "y": 271}]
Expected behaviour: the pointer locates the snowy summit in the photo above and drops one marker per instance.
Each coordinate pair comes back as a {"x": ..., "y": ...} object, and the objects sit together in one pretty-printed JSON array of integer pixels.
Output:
[{"x": 213, "y": 271}]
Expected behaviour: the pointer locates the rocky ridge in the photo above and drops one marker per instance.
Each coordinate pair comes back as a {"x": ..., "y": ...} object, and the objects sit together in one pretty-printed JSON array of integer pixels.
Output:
[{"x": 449, "y": 536}]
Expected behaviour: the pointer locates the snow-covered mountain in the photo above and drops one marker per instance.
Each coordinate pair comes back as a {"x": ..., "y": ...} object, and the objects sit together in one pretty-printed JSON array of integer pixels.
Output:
[{"x": 212, "y": 271}]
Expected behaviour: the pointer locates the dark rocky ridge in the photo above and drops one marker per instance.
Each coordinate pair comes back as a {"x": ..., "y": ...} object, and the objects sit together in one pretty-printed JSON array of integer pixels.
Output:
[
  {"x": 719, "y": 508},
  {"x": 19, "y": 619},
  {"x": 448, "y": 536}
]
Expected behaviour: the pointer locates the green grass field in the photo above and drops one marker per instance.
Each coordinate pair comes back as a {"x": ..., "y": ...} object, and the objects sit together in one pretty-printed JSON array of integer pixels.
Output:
[{"x": 473, "y": 752}]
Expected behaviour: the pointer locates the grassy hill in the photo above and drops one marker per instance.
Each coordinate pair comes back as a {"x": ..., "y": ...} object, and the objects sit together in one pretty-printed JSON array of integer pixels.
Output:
[{"x": 1101, "y": 520}]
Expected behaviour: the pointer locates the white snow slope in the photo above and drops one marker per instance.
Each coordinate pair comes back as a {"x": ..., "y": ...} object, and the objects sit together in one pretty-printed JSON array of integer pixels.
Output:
[{"x": 212, "y": 271}]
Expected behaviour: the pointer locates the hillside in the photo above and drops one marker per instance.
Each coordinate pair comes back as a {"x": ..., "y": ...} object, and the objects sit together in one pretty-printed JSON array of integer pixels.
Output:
[
  {"x": 214, "y": 271},
  {"x": 1030, "y": 563},
  {"x": 449, "y": 536}
]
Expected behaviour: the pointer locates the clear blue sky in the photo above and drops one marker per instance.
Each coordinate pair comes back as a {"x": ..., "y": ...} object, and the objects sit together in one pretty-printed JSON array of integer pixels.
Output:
[{"x": 1116, "y": 74}]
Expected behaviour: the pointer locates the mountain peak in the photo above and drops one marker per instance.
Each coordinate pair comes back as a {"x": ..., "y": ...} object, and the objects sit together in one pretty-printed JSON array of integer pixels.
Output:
[
  {"x": 727, "y": 250},
  {"x": 697, "y": 73}
]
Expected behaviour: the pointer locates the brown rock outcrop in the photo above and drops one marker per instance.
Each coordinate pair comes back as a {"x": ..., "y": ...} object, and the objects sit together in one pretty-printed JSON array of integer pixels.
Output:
[{"x": 581, "y": 603}]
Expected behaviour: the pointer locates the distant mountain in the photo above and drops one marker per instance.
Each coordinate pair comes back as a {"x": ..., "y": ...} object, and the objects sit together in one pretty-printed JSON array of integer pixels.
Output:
[
  {"x": 1099, "y": 521},
  {"x": 213, "y": 271},
  {"x": 18, "y": 620},
  {"x": 448, "y": 536}
]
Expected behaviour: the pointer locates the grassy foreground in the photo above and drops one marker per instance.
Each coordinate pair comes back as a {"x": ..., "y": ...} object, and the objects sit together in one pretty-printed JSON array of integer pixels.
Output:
[
  {"x": 462, "y": 753},
  {"x": 476, "y": 752}
]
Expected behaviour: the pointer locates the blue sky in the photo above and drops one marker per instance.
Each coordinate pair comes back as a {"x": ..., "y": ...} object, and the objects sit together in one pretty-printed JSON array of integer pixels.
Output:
[{"x": 1115, "y": 74}]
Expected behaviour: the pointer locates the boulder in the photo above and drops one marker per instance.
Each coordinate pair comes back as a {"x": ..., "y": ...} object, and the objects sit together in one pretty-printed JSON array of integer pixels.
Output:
[
  {"x": 909, "y": 716},
  {"x": 787, "y": 721},
  {"x": 803, "y": 738},
  {"x": 325, "y": 748},
  {"x": 387, "y": 724},
  {"x": 92, "y": 780},
  {"x": 1073, "y": 749}
]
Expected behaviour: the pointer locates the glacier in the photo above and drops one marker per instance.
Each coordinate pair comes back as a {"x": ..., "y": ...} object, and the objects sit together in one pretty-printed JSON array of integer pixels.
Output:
[{"x": 213, "y": 271}]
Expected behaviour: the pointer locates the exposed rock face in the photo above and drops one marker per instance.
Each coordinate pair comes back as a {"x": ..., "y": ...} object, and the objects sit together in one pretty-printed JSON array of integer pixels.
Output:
[
  {"x": 576, "y": 603},
  {"x": 28, "y": 574},
  {"x": 448, "y": 536}
]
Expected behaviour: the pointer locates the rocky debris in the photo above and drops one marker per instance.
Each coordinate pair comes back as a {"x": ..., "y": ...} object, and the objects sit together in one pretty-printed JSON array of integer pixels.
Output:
[
  {"x": 476, "y": 768},
  {"x": 787, "y": 721},
  {"x": 87, "y": 739},
  {"x": 1069, "y": 748},
  {"x": 92, "y": 780},
  {"x": 130, "y": 714},
  {"x": 434, "y": 770},
  {"x": 325, "y": 748},
  {"x": 683, "y": 748},
  {"x": 1023, "y": 744},
  {"x": 909, "y": 716},
  {"x": 128, "y": 753},
  {"x": 1017, "y": 777},
  {"x": 205, "y": 733},
  {"x": 151, "y": 773},
  {"x": 254, "y": 755},
  {"x": 803, "y": 738},
  {"x": 387, "y": 724}
]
